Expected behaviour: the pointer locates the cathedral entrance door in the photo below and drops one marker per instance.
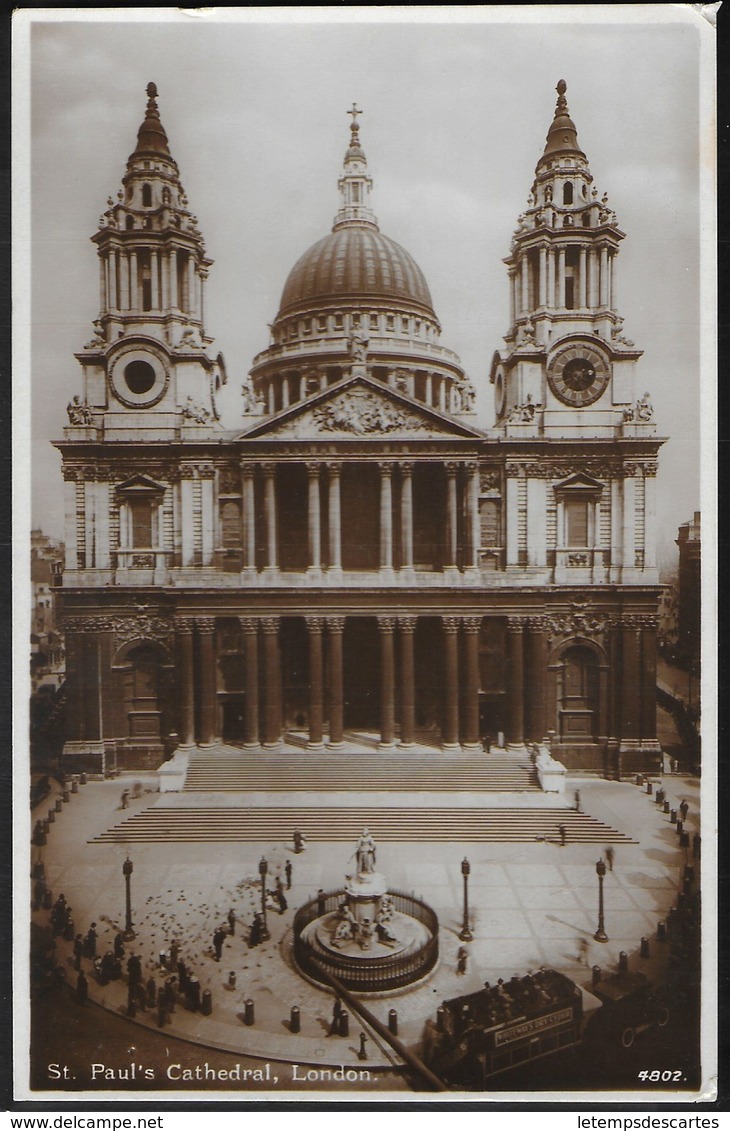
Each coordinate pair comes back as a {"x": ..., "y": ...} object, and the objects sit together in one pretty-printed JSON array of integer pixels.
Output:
[
  {"x": 577, "y": 695},
  {"x": 361, "y": 674}
]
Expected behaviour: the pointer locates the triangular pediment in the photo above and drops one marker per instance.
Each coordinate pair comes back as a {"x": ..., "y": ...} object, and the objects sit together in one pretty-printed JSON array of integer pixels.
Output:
[
  {"x": 580, "y": 481},
  {"x": 140, "y": 485},
  {"x": 360, "y": 408}
]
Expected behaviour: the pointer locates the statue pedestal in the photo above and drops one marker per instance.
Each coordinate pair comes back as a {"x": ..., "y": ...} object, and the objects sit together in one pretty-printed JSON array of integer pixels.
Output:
[{"x": 364, "y": 893}]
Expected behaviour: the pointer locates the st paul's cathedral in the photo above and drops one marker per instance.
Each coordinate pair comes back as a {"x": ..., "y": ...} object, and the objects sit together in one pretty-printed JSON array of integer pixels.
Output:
[{"x": 360, "y": 564}]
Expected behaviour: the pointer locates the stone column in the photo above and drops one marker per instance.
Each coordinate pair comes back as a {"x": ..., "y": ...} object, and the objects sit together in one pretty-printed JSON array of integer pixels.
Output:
[
  {"x": 603, "y": 283},
  {"x": 335, "y": 627},
  {"x": 250, "y": 629},
  {"x": 249, "y": 518},
  {"x": 172, "y": 278},
  {"x": 102, "y": 285},
  {"x": 536, "y": 682},
  {"x": 593, "y": 277},
  {"x": 630, "y": 679},
  {"x": 387, "y": 683},
  {"x": 272, "y": 683},
  {"x": 542, "y": 280},
  {"x": 134, "y": 302},
  {"x": 516, "y": 686},
  {"x": 314, "y": 630},
  {"x": 186, "y": 682},
  {"x": 451, "y": 518},
  {"x": 561, "y": 279},
  {"x": 386, "y": 517},
  {"x": 450, "y": 738},
  {"x": 205, "y": 627},
  {"x": 314, "y": 531},
  {"x": 512, "y": 296},
  {"x": 164, "y": 281},
  {"x": 123, "y": 281},
  {"x": 524, "y": 286},
  {"x": 113, "y": 289},
  {"x": 428, "y": 395},
  {"x": 191, "y": 286},
  {"x": 269, "y": 470},
  {"x": 470, "y": 715},
  {"x": 474, "y": 532},
  {"x": 551, "y": 278},
  {"x": 335, "y": 522},
  {"x": 583, "y": 279},
  {"x": 406, "y": 515},
  {"x": 155, "y": 279},
  {"x": 406, "y": 629}
]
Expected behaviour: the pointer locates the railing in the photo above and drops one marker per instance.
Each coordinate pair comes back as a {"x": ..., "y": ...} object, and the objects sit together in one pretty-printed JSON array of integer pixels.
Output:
[{"x": 371, "y": 975}]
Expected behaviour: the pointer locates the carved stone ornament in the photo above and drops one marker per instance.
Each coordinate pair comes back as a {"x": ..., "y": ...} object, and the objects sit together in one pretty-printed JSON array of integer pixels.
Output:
[
  {"x": 364, "y": 413},
  {"x": 195, "y": 412},
  {"x": 230, "y": 481},
  {"x": 79, "y": 412},
  {"x": 578, "y": 622},
  {"x": 139, "y": 626},
  {"x": 489, "y": 480},
  {"x": 596, "y": 469}
]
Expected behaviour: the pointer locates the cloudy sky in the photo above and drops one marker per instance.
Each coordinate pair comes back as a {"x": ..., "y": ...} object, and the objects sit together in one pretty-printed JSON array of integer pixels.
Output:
[{"x": 455, "y": 105}]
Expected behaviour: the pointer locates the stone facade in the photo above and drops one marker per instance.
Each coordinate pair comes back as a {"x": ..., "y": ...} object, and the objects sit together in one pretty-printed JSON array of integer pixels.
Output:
[{"x": 360, "y": 553}]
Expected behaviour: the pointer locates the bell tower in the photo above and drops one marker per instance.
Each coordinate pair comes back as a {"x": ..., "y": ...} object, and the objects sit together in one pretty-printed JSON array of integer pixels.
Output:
[
  {"x": 148, "y": 365},
  {"x": 567, "y": 369}
]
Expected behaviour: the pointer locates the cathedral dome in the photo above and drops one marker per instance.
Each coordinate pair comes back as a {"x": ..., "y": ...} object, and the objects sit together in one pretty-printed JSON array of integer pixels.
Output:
[{"x": 355, "y": 263}]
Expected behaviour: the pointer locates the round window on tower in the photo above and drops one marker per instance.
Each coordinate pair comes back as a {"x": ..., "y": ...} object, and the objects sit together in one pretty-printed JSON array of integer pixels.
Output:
[{"x": 140, "y": 377}]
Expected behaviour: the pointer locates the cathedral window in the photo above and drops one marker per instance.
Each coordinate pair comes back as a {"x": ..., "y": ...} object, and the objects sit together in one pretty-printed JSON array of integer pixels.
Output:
[
  {"x": 230, "y": 525},
  {"x": 576, "y": 522},
  {"x": 356, "y": 194},
  {"x": 146, "y": 195},
  {"x": 569, "y": 294},
  {"x": 129, "y": 223},
  {"x": 568, "y": 193},
  {"x": 141, "y": 515}
]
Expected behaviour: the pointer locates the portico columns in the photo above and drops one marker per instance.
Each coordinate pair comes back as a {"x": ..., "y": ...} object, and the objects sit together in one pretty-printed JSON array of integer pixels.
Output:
[
  {"x": 250, "y": 628},
  {"x": 249, "y": 519},
  {"x": 387, "y": 683},
  {"x": 451, "y": 528},
  {"x": 451, "y": 683},
  {"x": 335, "y": 626},
  {"x": 406, "y": 628},
  {"x": 470, "y": 740},
  {"x": 314, "y": 523},
  {"x": 272, "y": 682},
  {"x": 406, "y": 514},
  {"x": 205, "y": 627},
  {"x": 314, "y": 631},
  {"x": 269, "y": 470},
  {"x": 474, "y": 525},
  {"x": 386, "y": 517},
  {"x": 516, "y": 684},
  {"x": 334, "y": 515},
  {"x": 536, "y": 717},
  {"x": 186, "y": 686}
]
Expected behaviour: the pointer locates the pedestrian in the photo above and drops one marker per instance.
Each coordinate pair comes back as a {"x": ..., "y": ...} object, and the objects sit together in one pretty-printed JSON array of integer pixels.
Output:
[
  {"x": 563, "y": 834},
  {"x": 218, "y": 940},
  {"x": 125, "y": 799},
  {"x": 257, "y": 929},
  {"x": 675, "y": 766},
  {"x": 288, "y": 871},
  {"x": 320, "y": 902},
  {"x": 151, "y": 992},
  {"x": 684, "y": 809},
  {"x": 583, "y": 950},
  {"x": 119, "y": 945},
  {"x": 82, "y": 989},
  {"x": 182, "y": 976},
  {"x": 279, "y": 895},
  {"x": 361, "y": 1053},
  {"x": 609, "y": 853},
  {"x": 577, "y": 801},
  {"x": 134, "y": 969},
  {"x": 298, "y": 841},
  {"x": 91, "y": 941},
  {"x": 174, "y": 952},
  {"x": 461, "y": 960},
  {"x": 335, "y": 1023},
  {"x": 232, "y": 921},
  {"x": 78, "y": 950},
  {"x": 487, "y": 743}
]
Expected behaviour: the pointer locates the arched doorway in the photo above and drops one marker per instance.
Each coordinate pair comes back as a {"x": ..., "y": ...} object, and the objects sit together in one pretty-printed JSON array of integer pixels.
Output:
[{"x": 577, "y": 695}]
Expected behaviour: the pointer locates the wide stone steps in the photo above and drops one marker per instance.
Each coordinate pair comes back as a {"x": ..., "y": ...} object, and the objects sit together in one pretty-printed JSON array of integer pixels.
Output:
[
  {"x": 348, "y": 773},
  {"x": 186, "y": 825}
]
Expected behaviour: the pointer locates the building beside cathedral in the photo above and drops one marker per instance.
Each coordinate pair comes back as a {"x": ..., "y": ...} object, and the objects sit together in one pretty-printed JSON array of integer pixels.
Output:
[{"x": 360, "y": 555}]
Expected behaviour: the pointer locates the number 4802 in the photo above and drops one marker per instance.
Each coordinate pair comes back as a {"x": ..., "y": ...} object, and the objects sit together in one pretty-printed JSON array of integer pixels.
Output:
[{"x": 655, "y": 1075}]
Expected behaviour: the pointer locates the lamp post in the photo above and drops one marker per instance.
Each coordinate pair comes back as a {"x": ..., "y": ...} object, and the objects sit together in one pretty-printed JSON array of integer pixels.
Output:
[
  {"x": 127, "y": 869},
  {"x": 263, "y": 869},
  {"x": 465, "y": 934},
  {"x": 600, "y": 935}
]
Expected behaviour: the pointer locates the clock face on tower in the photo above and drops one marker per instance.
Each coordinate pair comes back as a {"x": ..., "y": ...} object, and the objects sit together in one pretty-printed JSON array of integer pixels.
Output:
[{"x": 578, "y": 375}]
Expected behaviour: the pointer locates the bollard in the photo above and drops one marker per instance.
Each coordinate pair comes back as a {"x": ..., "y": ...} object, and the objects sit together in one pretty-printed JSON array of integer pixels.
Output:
[
  {"x": 639, "y": 779},
  {"x": 686, "y": 887},
  {"x": 295, "y": 1021},
  {"x": 596, "y": 975},
  {"x": 65, "y": 794},
  {"x": 679, "y": 828},
  {"x": 441, "y": 1019},
  {"x": 82, "y": 779},
  {"x": 666, "y": 806},
  {"x": 206, "y": 1006},
  {"x": 684, "y": 839},
  {"x": 649, "y": 788},
  {"x": 58, "y": 804},
  {"x": 681, "y": 901},
  {"x": 644, "y": 951},
  {"x": 696, "y": 843},
  {"x": 248, "y": 1011},
  {"x": 689, "y": 872},
  {"x": 673, "y": 817},
  {"x": 74, "y": 785},
  {"x": 623, "y": 962},
  {"x": 344, "y": 1024},
  {"x": 232, "y": 980},
  {"x": 393, "y": 1022},
  {"x": 194, "y": 994},
  {"x": 661, "y": 931},
  {"x": 51, "y": 816},
  {"x": 47, "y": 899},
  {"x": 44, "y": 824}
]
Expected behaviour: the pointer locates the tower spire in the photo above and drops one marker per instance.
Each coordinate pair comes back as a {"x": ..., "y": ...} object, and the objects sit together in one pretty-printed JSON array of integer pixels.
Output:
[
  {"x": 354, "y": 184},
  {"x": 151, "y": 137}
]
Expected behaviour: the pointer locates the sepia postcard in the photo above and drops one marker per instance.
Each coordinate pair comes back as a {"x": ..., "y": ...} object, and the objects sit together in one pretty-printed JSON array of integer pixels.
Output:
[{"x": 364, "y": 448}]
